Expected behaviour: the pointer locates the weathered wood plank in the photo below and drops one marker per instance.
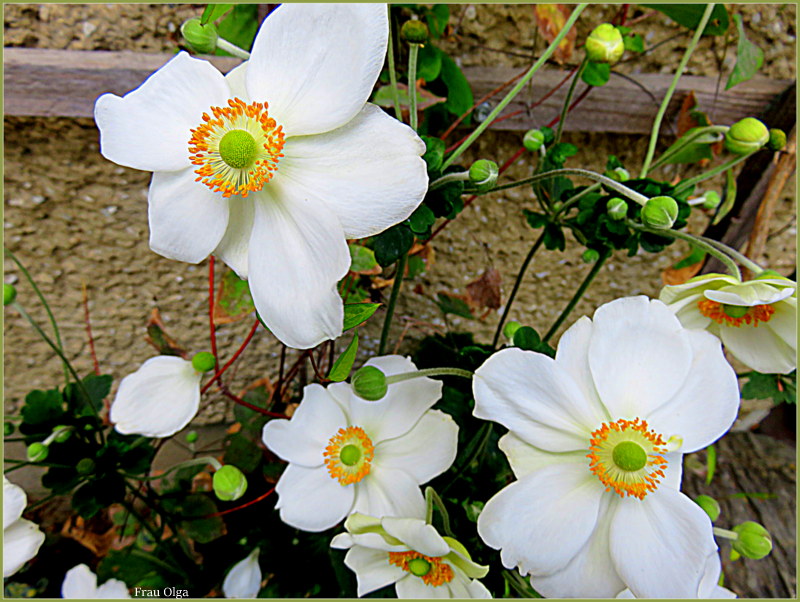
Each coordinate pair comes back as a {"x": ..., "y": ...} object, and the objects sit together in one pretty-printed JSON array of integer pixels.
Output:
[{"x": 66, "y": 83}]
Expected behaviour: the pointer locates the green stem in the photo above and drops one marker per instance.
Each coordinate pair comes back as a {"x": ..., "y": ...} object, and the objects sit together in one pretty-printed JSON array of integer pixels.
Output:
[
  {"x": 204, "y": 460},
  {"x": 39, "y": 294},
  {"x": 462, "y": 176},
  {"x": 726, "y": 534},
  {"x": 574, "y": 199},
  {"x": 387, "y": 321},
  {"x": 741, "y": 258},
  {"x": 432, "y": 499},
  {"x": 522, "y": 587},
  {"x": 688, "y": 183},
  {"x": 517, "y": 282},
  {"x": 578, "y": 294},
  {"x": 689, "y": 140},
  {"x": 232, "y": 49},
  {"x": 396, "y": 378},
  {"x": 651, "y": 149},
  {"x": 517, "y": 88},
  {"x": 398, "y": 110},
  {"x": 413, "y": 52},
  {"x": 568, "y": 99},
  {"x": 472, "y": 451}
]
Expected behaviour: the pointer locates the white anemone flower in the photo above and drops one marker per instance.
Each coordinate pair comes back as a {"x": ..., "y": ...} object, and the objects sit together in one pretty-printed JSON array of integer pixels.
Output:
[
  {"x": 756, "y": 320},
  {"x": 348, "y": 455},
  {"x": 157, "y": 400},
  {"x": 596, "y": 438},
  {"x": 410, "y": 554},
  {"x": 244, "y": 578},
  {"x": 272, "y": 167},
  {"x": 81, "y": 583},
  {"x": 709, "y": 587},
  {"x": 21, "y": 538}
]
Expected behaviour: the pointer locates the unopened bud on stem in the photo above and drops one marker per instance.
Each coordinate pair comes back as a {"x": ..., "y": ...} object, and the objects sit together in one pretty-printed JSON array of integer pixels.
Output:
[
  {"x": 414, "y": 32},
  {"x": 660, "y": 212},
  {"x": 746, "y": 136},
  {"x": 201, "y": 38},
  {"x": 369, "y": 383},
  {"x": 605, "y": 44},
  {"x": 483, "y": 174}
]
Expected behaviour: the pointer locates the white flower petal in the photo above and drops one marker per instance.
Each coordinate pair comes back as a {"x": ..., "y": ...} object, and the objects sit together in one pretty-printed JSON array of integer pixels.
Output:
[
  {"x": 524, "y": 458},
  {"x": 316, "y": 64},
  {"x": 572, "y": 355},
  {"x": 555, "y": 507},
  {"x": 709, "y": 587},
  {"x": 784, "y": 322},
  {"x": 79, "y": 582},
  {"x": 311, "y": 500},
  {"x": 14, "y": 502},
  {"x": 639, "y": 355},
  {"x": 478, "y": 590},
  {"x": 759, "y": 348},
  {"x": 659, "y": 545},
  {"x": 303, "y": 439},
  {"x": 389, "y": 492},
  {"x": 369, "y": 171},
  {"x": 414, "y": 588},
  {"x": 695, "y": 286},
  {"x": 674, "y": 472},
  {"x": 535, "y": 398},
  {"x": 235, "y": 244},
  {"x": 244, "y": 579},
  {"x": 148, "y": 128},
  {"x": 21, "y": 541},
  {"x": 113, "y": 589},
  {"x": 297, "y": 254},
  {"x": 705, "y": 406},
  {"x": 590, "y": 574},
  {"x": 426, "y": 451},
  {"x": 417, "y": 535},
  {"x": 157, "y": 400},
  {"x": 750, "y": 293},
  {"x": 372, "y": 569},
  {"x": 187, "y": 220},
  {"x": 236, "y": 80}
]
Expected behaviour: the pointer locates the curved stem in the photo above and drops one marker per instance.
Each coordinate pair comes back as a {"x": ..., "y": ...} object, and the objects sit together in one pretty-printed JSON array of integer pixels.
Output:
[
  {"x": 574, "y": 199},
  {"x": 413, "y": 52},
  {"x": 520, "y": 274},
  {"x": 741, "y": 258},
  {"x": 462, "y": 176},
  {"x": 387, "y": 321},
  {"x": 398, "y": 111},
  {"x": 432, "y": 499},
  {"x": 686, "y": 184},
  {"x": 687, "y": 141},
  {"x": 232, "y": 49},
  {"x": 651, "y": 149},
  {"x": 726, "y": 534},
  {"x": 233, "y": 359},
  {"x": 396, "y": 378},
  {"x": 568, "y": 98}
]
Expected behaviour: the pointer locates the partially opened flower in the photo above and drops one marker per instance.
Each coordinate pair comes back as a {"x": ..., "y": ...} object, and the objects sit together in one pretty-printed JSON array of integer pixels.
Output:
[
  {"x": 21, "y": 538},
  {"x": 709, "y": 585},
  {"x": 244, "y": 578},
  {"x": 347, "y": 454},
  {"x": 410, "y": 554},
  {"x": 596, "y": 442},
  {"x": 756, "y": 320},
  {"x": 81, "y": 583},
  {"x": 275, "y": 165}
]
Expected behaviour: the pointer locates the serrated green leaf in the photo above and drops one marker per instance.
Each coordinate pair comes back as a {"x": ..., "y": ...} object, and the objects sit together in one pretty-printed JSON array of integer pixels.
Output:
[
  {"x": 42, "y": 406},
  {"x": 213, "y": 12},
  {"x": 362, "y": 259},
  {"x": 749, "y": 57},
  {"x": 690, "y": 15},
  {"x": 596, "y": 74},
  {"x": 356, "y": 314},
  {"x": 344, "y": 363}
]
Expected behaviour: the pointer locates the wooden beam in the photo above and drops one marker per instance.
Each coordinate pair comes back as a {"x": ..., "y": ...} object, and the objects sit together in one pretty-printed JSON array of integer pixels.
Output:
[{"x": 65, "y": 83}]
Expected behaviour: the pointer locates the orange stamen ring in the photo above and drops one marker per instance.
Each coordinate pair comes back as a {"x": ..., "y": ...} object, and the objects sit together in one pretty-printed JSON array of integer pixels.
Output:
[
  {"x": 754, "y": 315},
  {"x": 438, "y": 574},
  {"x": 349, "y": 454}
]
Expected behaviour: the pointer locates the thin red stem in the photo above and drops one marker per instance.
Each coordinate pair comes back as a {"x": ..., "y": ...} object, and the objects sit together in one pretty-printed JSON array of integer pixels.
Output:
[
  {"x": 253, "y": 407},
  {"x": 245, "y": 505},
  {"x": 89, "y": 330},
  {"x": 233, "y": 359},
  {"x": 212, "y": 328}
]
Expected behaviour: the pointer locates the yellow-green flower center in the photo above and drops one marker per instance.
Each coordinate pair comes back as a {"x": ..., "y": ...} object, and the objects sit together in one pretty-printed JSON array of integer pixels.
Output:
[
  {"x": 350, "y": 455},
  {"x": 735, "y": 311},
  {"x": 238, "y": 149},
  {"x": 419, "y": 567},
  {"x": 629, "y": 456}
]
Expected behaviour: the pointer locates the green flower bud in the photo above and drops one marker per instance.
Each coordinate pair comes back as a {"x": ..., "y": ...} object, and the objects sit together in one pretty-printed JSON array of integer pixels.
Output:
[
  {"x": 617, "y": 208},
  {"x": 9, "y": 294},
  {"x": 510, "y": 328},
  {"x": 754, "y": 540},
  {"x": 709, "y": 505},
  {"x": 590, "y": 256},
  {"x": 712, "y": 200},
  {"x": 229, "y": 483},
  {"x": 618, "y": 174},
  {"x": 533, "y": 140},
  {"x": 414, "y": 32},
  {"x": 746, "y": 136},
  {"x": 191, "y": 437},
  {"x": 86, "y": 466},
  {"x": 8, "y": 429},
  {"x": 369, "y": 383},
  {"x": 777, "y": 140},
  {"x": 605, "y": 44},
  {"x": 37, "y": 452},
  {"x": 61, "y": 433},
  {"x": 201, "y": 38},
  {"x": 660, "y": 213},
  {"x": 483, "y": 174},
  {"x": 204, "y": 361}
]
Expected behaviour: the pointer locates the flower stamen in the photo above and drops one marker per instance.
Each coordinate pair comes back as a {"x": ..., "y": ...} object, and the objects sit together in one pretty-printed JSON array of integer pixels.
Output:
[
  {"x": 735, "y": 315},
  {"x": 430, "y": 569},
  {"x": 348, "y": 455}
]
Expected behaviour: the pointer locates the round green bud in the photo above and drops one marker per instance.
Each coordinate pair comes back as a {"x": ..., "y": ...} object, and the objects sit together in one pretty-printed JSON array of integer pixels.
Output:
[
  {"x": 8, "y": 429},
  {"x": 711, "y": 200},
  {"x": 201, "y": 38},
  {"x": 510, "y": 328},
  {"x": 369, "y": 383},
  {"x": 483, "y": 174},
  {"x": 414, "y": 32},
  {"x": 618, "y": 174},
  {"x": 777, "y": 139},
  {"x": 533, "y": 140},
  {"x": 229, "y": 483},
  {"x": 754, "y": 540},
  {"x": 86, "y": 466},
  {"x": 617, "y": 208},
  {"x": 746, "y": 135},
  {"x": 191, "y": 437},
  {"x": 590, "y": 256},
  {"x": 9, "y": 294},
  {"x": 709, "y": 505},
  {"x": 37, "y": 452},
  {"x": 605, "y": 44},
  {"x": 204, "y": 361},
  {"x": 660, "y": 212},
  {"x": 62, "y": 433}
]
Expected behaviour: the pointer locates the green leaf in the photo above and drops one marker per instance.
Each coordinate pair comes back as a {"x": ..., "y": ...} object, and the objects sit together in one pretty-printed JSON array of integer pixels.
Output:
[
  {"x": 434, "y": 152},
  {"x": 689, "y": 15},
  {"x": 778, "y": 388},
  {"x": 239, "y": 27},
  {"x": 554, "y": 237},
  {"x": 596, "y": 74},
  {"x": 42, "y": 407},
  {"x": 449, "y": 304},
  {"x": 437, "y": 18},
  {"x": 133, "y": 568},
  {"x": 358, "y": 313},
  {"x": 527, "y": 338},
  {"x": 362, "y": 259},
  {"x": 421, "y": 220},
  {"x": 753, "y": 496},
  {"x": 535, "y": 220},
  {"x": 98, "y": 387},
  {"x": 749, "y": 57},
  {"x": 242, "y": 453},
  {"x": 384, "y": 97},
  {"x": 233, "y": 301},
  {"x": 202, "y": 530},
  {"x": 459, "y": 93},
  {"x": 696, "y": 146},
  {"x": 213, "y": 12},
  {"x": 416, "y": 265},
  {"x": 633, "y": 43},
  {"x": 728, "y": 199},
  {"x": 392, "y": 243},
  {"x": 711, "y": 463},
  {"x": 429, "y": 62},
  {"x": 697, "y": 255},
  {"x": 344, "y": 363}
]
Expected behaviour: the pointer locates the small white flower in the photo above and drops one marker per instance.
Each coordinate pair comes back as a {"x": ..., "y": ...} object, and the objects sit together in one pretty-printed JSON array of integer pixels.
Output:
[
  {"x": 272, "y": 167},
  {"x": 756, "y": 320},
  {"x": 81, "y": 583},
  {"x": 157, "y": 400},
  {"x": 596, "y": 442},
  {"x": 347, "y": 454},
  {"x": 410, "y": 554},
  {"x": 244, "y": 578},
  {"x": 709, "y": 585},
  {"x": 21, "y": 538}
]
